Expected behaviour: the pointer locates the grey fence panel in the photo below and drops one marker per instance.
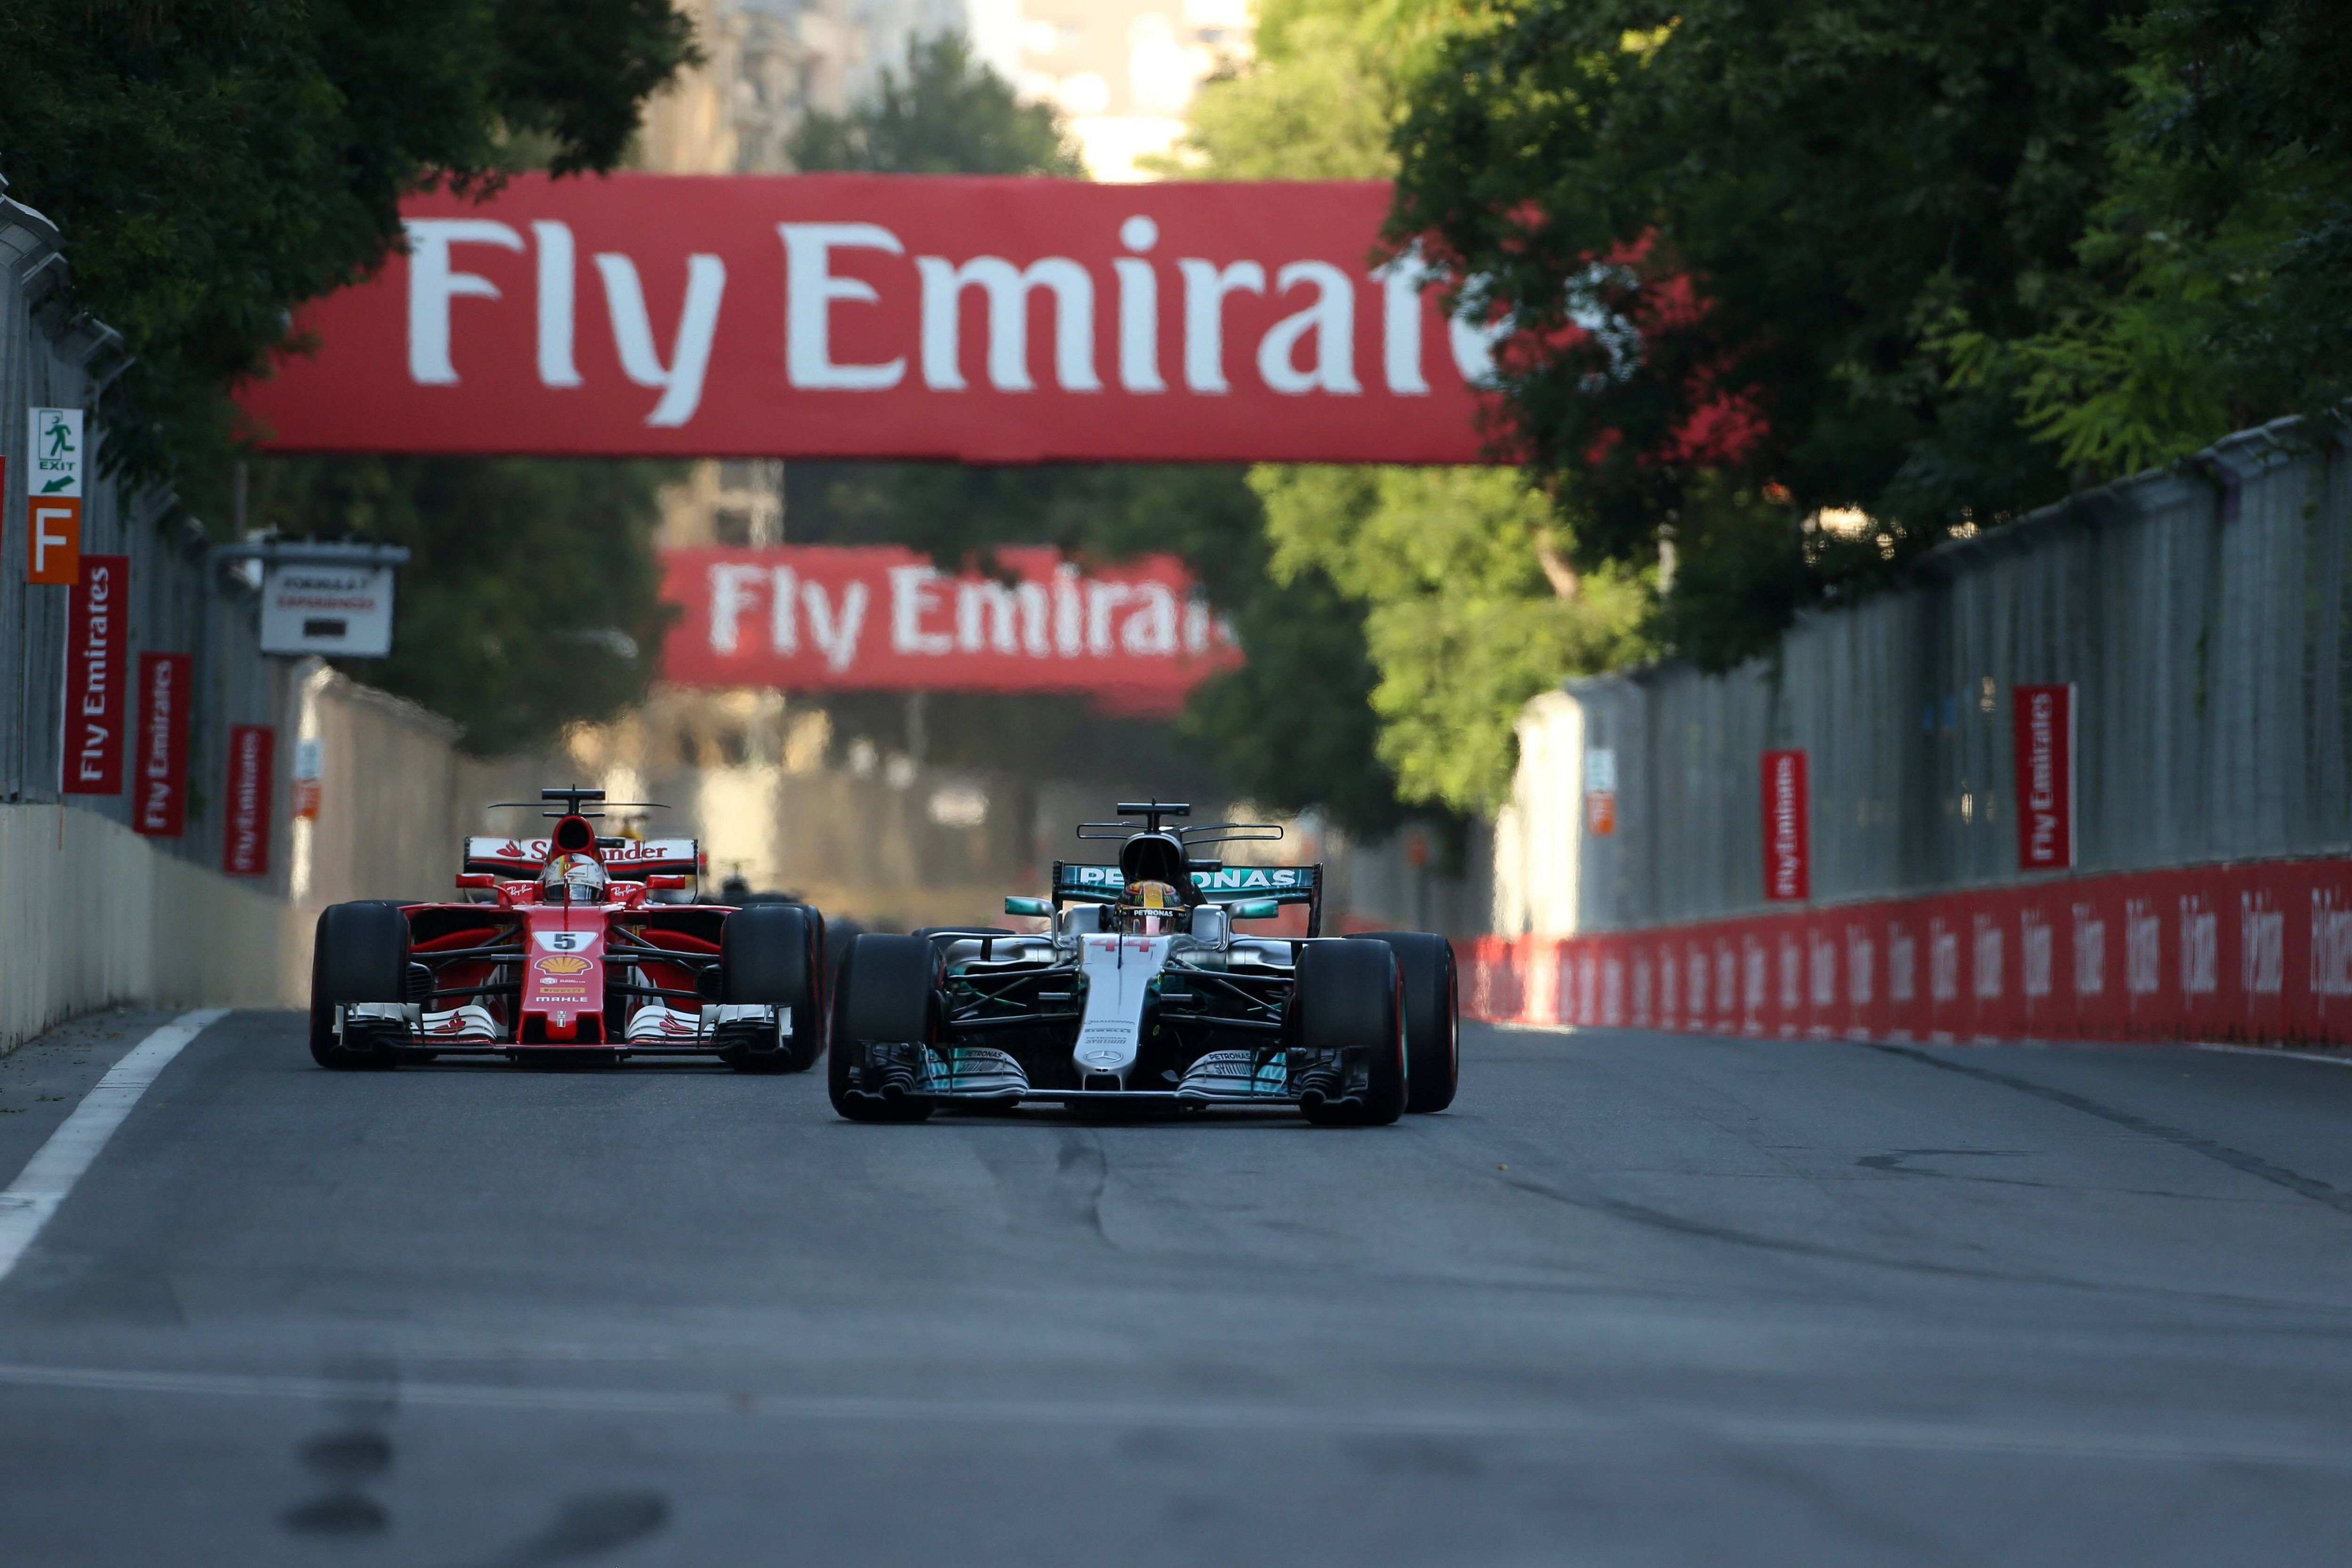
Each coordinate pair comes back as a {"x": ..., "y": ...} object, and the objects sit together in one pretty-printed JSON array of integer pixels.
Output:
[
  {"x": 2200, "y": 613},
  {"x": 176, "y": 603}
]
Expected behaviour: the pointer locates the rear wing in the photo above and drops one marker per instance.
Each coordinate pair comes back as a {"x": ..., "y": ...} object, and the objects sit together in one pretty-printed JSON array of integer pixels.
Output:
[
  {"x": 1079, "y": 884},
  {"x": 631, "y": 858}
]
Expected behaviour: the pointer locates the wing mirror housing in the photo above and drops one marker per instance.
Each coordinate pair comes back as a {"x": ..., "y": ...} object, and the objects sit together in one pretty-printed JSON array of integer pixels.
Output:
[
  {"x": 1043, "y": 908},
  {"x": 1253, "y": 909},
  {"x": 466, "y": 879},
  {"x": 668, "y": 882}
]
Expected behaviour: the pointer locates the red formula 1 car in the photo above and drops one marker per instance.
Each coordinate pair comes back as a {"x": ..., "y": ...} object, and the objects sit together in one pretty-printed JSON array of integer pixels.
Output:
[{"x": 561, "y": 949}]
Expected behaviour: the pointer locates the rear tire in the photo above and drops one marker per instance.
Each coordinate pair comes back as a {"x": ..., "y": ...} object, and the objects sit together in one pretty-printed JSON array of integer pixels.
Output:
[
  {"x": 359, "y": 954},
  {"x": 1433, "y": 1014},
  {"x": 889, "y": 992},
  {"x": 771, "y": 955},
  {"x": 1350, "y": 994}
]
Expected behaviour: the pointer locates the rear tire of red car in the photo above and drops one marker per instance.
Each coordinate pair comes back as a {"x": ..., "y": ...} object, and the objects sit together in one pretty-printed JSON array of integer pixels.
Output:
[
  {"x": 359, "y": 954},
  {"x": 772, "y": 955},
  {"x": 889, "y": 992},
  {"x": 1433, "y": 1014},
  {"x": 1350, "y": 994}
]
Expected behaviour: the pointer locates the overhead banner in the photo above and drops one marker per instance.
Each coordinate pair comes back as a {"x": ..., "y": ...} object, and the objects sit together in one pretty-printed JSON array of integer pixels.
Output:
[
  {"x": 159, "y": 790},
  {"x": 2044, "y": 735},
  {"x": 97, "y": 639},
  {"x": 819, "y": 618},
  {"x": 1787, "y": 842},
  {"x": 245, "y": 848},
  {"x": 988, "y": 321}
]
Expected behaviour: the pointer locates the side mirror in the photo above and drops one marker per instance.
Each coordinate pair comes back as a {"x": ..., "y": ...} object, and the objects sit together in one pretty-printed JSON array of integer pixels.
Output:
[
  {"x": 476, "y": 879},
  {"x": 1041, "y": 908},
  {"x": 1253, "y": 909},
  {"x": 668, "y": 883}
]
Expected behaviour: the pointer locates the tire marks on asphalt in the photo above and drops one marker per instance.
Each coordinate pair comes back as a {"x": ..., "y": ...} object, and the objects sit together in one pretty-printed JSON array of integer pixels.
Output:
[{"x": 2254, "y": 1165}]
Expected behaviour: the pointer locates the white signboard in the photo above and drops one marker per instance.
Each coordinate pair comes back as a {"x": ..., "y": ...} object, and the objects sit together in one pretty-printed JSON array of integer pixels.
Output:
[
  {"x": 344, "y": 611},
  {"x": 57, "y": 452},
  {"x": 1601, "y": 769}
]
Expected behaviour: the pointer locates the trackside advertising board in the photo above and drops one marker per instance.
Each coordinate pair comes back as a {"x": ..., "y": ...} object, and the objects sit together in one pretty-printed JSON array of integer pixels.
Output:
[
  {"x": 245, "y": 851},
  {"x": 987, "y": 321},
  {"x": 2043, "y": 722},
  {"x": 159, "y": 776},
  {"x": 1788, "y": 844},
  {"x": 2254, "y": 951},
  {"x": 97, "y": 655},
  {"x": 816, "y": 618}
]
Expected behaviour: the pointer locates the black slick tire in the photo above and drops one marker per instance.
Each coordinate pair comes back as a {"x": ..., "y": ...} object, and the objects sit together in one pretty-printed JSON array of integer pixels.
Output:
[
  {"x": 887, "y": 992},
  {"x": 1350, "y": 994},
  {"x": 1432, "y": 1017},
  {"x": 358, "y": 954},
  {"x": 771, "y": 955}
]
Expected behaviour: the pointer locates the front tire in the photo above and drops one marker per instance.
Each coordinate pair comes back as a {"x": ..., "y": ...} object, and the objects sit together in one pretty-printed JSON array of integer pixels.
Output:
[
  {"x": 1350, "y": 995},
  {"x": 888, "y": 994},
  {"x": 771, "y": 955},
  {"x": 359, "y": 954},
  {"x": 1432, "y": 1017}
]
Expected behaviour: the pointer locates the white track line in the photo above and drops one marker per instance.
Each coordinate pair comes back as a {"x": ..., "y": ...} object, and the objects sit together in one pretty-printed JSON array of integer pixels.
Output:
[{"x": 50, "y": 1176}]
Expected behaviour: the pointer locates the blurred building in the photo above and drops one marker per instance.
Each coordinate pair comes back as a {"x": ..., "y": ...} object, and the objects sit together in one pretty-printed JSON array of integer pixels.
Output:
[{"x": 1124, "y": 71}]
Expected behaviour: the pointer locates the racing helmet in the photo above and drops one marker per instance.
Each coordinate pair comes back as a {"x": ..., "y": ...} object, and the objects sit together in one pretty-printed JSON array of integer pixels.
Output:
[
  {"x": 1149, "y": 909},
  {"x": 574, "y": 879}
]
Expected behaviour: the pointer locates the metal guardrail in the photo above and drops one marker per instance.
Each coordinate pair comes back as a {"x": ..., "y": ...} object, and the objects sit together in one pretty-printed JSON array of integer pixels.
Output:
[
  {"x": 2201, "y": 612},
  {"x": 178, "y": 602}
]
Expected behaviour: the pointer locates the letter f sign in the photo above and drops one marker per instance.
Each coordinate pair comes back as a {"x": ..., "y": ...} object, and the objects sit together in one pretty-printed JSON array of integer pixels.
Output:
[{"x": 53, "y": 541}]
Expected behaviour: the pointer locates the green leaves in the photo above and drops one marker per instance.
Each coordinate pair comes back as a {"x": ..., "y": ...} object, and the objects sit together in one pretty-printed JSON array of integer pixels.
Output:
[
  {"x": 1795, "y": 194},
  {"x": 948, "y": 115},
  {"x": 1462, "y": 621},
  {"x": 215, "y": 165}
]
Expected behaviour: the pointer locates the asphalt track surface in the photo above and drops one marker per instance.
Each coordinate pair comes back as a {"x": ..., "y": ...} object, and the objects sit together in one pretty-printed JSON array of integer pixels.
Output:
[{"x": 1637, "y": 1299}]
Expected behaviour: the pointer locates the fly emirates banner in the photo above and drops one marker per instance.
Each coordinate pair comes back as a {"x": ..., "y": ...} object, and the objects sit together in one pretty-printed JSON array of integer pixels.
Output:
[
  {"x": 1135, "y": 637},
  {"x": 990, "y": 320}
]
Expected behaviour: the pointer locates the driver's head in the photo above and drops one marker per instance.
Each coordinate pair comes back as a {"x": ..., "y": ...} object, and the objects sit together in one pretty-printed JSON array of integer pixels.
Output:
[
  {"x": 1149, "y": 909},
  {"x": 574, "y": 879}
]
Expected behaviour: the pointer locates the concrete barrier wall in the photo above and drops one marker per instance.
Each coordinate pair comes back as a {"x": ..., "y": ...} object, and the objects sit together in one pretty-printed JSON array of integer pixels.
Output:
[{"x": 91, "y": 915}]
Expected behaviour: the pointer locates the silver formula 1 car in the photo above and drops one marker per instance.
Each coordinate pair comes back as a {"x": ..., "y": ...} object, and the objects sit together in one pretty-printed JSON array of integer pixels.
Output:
[{"x": 1143, "y": 993}]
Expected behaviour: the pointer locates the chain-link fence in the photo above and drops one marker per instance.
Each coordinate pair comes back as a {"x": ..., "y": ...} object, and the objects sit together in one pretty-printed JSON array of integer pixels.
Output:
[
  {"x": 2200, "y": 614},
  {"x": 49, "y": 359}
]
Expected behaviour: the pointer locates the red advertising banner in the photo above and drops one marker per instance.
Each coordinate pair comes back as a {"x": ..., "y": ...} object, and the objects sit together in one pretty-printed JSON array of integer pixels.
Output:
[
  {"x": 820, "y": 617},
  {"x": 97, "y": 648},
  {"x": 245, "y": 851},
  {"x": 2256, "y": 951},
  {"x": 997, "y": 321},
  {"x": 2044, "y": 717},
  {"x": 1788, "y": 840},
  {"x": 159, "y": 790}
]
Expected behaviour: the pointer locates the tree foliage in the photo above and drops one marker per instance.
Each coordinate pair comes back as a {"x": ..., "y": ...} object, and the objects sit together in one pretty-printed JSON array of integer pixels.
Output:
[
  {"x": 948, "y": 116},
  {"x": 1461, "y": 620},
  {"x": 1444, "y": 571},
  {"x": 214, "y": 163},
  {"x": 1727, "y": 240},
  {"x": 2215, "y": 285}
]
